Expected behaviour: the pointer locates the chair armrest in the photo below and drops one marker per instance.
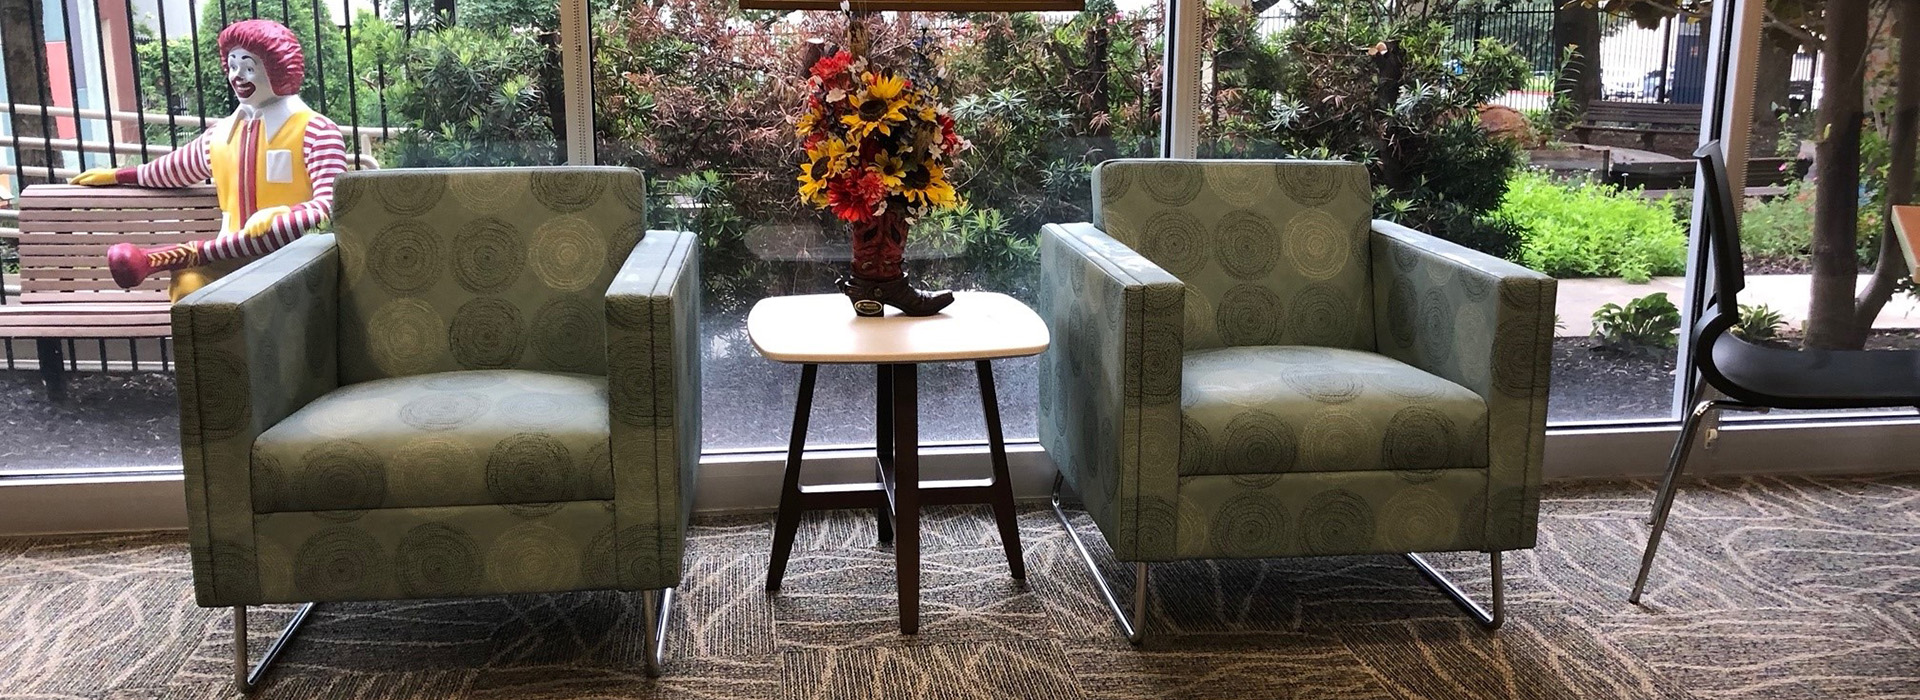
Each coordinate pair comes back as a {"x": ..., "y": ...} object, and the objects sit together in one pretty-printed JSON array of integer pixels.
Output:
[
  {"x": 1485, "y": 324},
  {"x": 1110, "y": 384},
  {"x": 653, "y": 394},
  {"x": 250, "y": 349}
]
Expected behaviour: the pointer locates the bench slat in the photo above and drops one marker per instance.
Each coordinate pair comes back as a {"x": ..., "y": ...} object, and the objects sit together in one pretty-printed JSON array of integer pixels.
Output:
[
  {"x": 191, "y": 214},
  {"x": 30, "y": 226},
  {"x": 87, "y": 308},
  {"x": 86, "y": 331},
  {"x": 55, "y": 318},
  {"x": 55, "y": 191},
  {"x": 100, "y": 296},
  {"x": 82, "y": 244}
]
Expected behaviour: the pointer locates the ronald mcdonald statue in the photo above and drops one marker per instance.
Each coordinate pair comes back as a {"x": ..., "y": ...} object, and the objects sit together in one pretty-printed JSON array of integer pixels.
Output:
[{"x": 273, "y": 162}]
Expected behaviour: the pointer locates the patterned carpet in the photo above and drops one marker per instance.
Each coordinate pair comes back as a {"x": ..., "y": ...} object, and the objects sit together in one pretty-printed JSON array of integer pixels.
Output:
[{"x": 1767, "y": 588}]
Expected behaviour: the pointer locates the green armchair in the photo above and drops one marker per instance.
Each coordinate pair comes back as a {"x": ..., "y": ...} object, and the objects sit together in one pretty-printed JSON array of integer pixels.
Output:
[
  {"x": 1245, "y": 366},
  {"x": 486, "y": 381}
]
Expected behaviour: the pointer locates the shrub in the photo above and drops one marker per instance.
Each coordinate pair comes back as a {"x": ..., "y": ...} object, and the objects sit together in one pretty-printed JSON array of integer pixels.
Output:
[
  {"x": 472, "y": 97},
  {"x": 1397, "y": 90},
  {"x": 1781, "y": 228},
  {"x": 1759, "y": 322},
  {"x": 1581, "y": 229},
  {"x": 1642, "y": 325}
]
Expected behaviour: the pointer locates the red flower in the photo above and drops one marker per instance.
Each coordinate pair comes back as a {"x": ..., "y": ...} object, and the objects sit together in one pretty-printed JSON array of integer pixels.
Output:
[
  {"x": 830, "y": 68},
  {"x": 854, "y": 196}
]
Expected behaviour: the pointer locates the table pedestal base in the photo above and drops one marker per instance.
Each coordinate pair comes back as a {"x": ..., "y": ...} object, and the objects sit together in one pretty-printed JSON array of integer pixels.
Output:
[{"x": 897, "y": 492}]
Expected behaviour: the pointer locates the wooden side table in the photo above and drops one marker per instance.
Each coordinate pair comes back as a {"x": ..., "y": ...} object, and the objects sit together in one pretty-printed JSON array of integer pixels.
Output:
[{"x": 821, "y": 329}]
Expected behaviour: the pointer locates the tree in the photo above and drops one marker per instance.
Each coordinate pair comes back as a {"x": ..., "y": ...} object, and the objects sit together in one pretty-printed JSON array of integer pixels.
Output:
[
  {"x": 25, "y": 49},
  {"x": 1576, "y": 34}
]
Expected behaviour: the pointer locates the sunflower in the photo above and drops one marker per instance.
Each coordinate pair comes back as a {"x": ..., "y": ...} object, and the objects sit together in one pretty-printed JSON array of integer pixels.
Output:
[
  {"x": 890, "y": 168},
  {"x": 878, "y": 107},
  {"x": 928, "y": 186},
  {"x": 831, "y": 152},
  {"x": 813, "y": 183},
  {"x": 807, "y": 122}
]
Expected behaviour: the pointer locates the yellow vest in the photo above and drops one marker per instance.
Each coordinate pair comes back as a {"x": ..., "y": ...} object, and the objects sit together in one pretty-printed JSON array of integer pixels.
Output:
[{"x": 276, "y": 171}]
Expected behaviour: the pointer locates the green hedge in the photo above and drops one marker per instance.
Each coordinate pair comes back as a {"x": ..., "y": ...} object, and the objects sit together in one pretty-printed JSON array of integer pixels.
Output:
[{"x": 1580, "y": 229}]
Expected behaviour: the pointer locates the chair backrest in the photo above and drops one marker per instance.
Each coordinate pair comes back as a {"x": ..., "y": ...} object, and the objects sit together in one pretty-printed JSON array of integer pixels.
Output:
[
  {"x": 1273, "y": 252},
  {"x": 1722, "y": 249},
  {"x": 480, "y": 268}
]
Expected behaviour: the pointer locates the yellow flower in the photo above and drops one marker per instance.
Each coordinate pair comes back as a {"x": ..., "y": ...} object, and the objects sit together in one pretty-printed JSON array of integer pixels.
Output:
[
  {"x": 928, "y": 186},
  {"x": 832, "y": 152},
  {"x": 807, "y": 123},
  {"x": 886, "y": 87},
  {"x": 891, "y": 168},
  {"x": 813, "y": 184},
  {"x": 876, "y": 108}
]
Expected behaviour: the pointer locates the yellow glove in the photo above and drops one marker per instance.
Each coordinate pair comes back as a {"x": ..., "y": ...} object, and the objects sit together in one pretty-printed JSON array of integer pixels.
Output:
[
  {"x": 262, "y": 220},
  {"x": 97, "y": 177}
]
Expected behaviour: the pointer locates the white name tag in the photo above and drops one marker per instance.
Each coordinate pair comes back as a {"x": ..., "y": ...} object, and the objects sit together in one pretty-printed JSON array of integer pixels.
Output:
[{"x": 279, "y": 165}]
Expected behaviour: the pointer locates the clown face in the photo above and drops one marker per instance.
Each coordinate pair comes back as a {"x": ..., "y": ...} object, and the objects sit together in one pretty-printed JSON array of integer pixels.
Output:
[{"x": 249, "y": 80}]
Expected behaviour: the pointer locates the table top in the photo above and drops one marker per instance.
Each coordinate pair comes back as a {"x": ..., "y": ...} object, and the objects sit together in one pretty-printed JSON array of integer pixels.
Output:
[{"x": 822, "y": 329}]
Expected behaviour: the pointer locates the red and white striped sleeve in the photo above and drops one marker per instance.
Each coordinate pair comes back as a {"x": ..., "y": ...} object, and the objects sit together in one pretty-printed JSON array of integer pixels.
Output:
[
  {"x": 325, "y": 152},
  {"x": 184, "y": 166}
]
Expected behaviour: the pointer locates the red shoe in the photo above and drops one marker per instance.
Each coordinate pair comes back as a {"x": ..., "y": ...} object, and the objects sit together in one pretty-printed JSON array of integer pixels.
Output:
[{"x": 131, "y": 264}]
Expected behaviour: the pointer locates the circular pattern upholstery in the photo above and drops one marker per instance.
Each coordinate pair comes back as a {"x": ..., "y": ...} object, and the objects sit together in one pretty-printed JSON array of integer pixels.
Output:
[
  {"x": 1173, "y": 184},
  {"x": 439, "y": 412},
  {"x": 490, "y": 256},
  {"x": 489, "y": 190},
  {"x": 567, "y": 192},
  {"x": 487, "y": 333},
  {"x": 1317, "y": 245},
  {"x": 1177, "y": 243},
  {"x": 1114, "y": 183},
  {"x": 411, "y": 194},
  {"x": 1416, "y": 515},
  {"x": 1249, "y": 314},
  {"x": 437, "y": 559},
  {"x": 339, "y": 563},
  {"x": 1337, "y": 437},
  {"x": 1328, "y": 385},
  {"x": 1261, "y": 441},
  {"x": 1336, "y": 522},
  {"x": 570, "y": 334},
  {"x": 1307, "y": 183},
  {"x": 342, "y": 475},
  {"x": 568, "y": 253},
  {"x": 1239, "y": 187},
  {"x": 533, "y": 557},
  {"x": 1246, "y": 245},
  {"x": 1247, "y": 525},
  {"x": 1320, "y": 315},
  {"x": 405, "y": 257},
  {"x": 530, "y": 468},
  {"x": 1419, "y": 437}
]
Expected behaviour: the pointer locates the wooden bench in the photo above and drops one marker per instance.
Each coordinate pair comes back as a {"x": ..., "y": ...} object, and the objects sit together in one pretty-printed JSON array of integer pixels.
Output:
[
  {"x": 1647, "y": 119},
  {"x": 67, "y": 293}
]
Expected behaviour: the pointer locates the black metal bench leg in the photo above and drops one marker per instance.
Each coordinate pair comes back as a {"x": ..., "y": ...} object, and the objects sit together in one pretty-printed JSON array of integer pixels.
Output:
[{"x": 53, "y": 368}]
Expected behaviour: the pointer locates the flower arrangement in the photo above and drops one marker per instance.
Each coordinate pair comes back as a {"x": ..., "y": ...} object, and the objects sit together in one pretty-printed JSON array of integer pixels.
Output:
[{"x": 878, "y": 144}]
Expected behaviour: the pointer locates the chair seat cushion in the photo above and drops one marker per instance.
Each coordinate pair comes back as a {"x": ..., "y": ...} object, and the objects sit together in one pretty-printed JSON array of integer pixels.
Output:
[
  {"x": 443, "y": 439},
  {"x": 1278, "y": 409}
]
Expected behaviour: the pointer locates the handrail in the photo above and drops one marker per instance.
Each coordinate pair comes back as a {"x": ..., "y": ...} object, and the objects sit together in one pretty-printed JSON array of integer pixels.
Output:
[{"x": 166, "y": 119}]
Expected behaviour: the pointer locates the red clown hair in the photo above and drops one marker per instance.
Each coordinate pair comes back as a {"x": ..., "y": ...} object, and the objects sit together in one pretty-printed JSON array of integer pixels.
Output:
[{"x": 276, "y": 47}]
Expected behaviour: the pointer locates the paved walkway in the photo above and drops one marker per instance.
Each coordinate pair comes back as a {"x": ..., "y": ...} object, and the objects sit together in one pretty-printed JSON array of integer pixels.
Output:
[{"x": 1787, "y": 294}]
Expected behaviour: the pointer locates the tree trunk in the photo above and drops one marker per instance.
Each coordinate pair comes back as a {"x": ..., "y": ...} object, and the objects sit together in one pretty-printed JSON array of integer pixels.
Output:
[
  {"x": 1770, "y": 92},
  {"x": 1578, "y": 27},
  {"x": 1836, "y": 269},
  {"x": 1902, "y": 141},
  {"x": 24, "y": 46}
]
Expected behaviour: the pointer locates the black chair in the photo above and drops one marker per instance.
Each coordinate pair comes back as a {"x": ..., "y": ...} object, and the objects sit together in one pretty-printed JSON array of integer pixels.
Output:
[{"x": 1756, "y": 377}]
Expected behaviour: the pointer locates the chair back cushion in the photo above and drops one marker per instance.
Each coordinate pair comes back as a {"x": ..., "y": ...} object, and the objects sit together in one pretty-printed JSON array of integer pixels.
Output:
[
  {"x": 480, "y": 268},
  {"x": 1273, "y": 252}
]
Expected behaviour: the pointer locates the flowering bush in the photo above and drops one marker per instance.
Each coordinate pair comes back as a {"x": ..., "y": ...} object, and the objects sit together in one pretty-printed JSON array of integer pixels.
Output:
[{"x": 877, "y": 142}]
